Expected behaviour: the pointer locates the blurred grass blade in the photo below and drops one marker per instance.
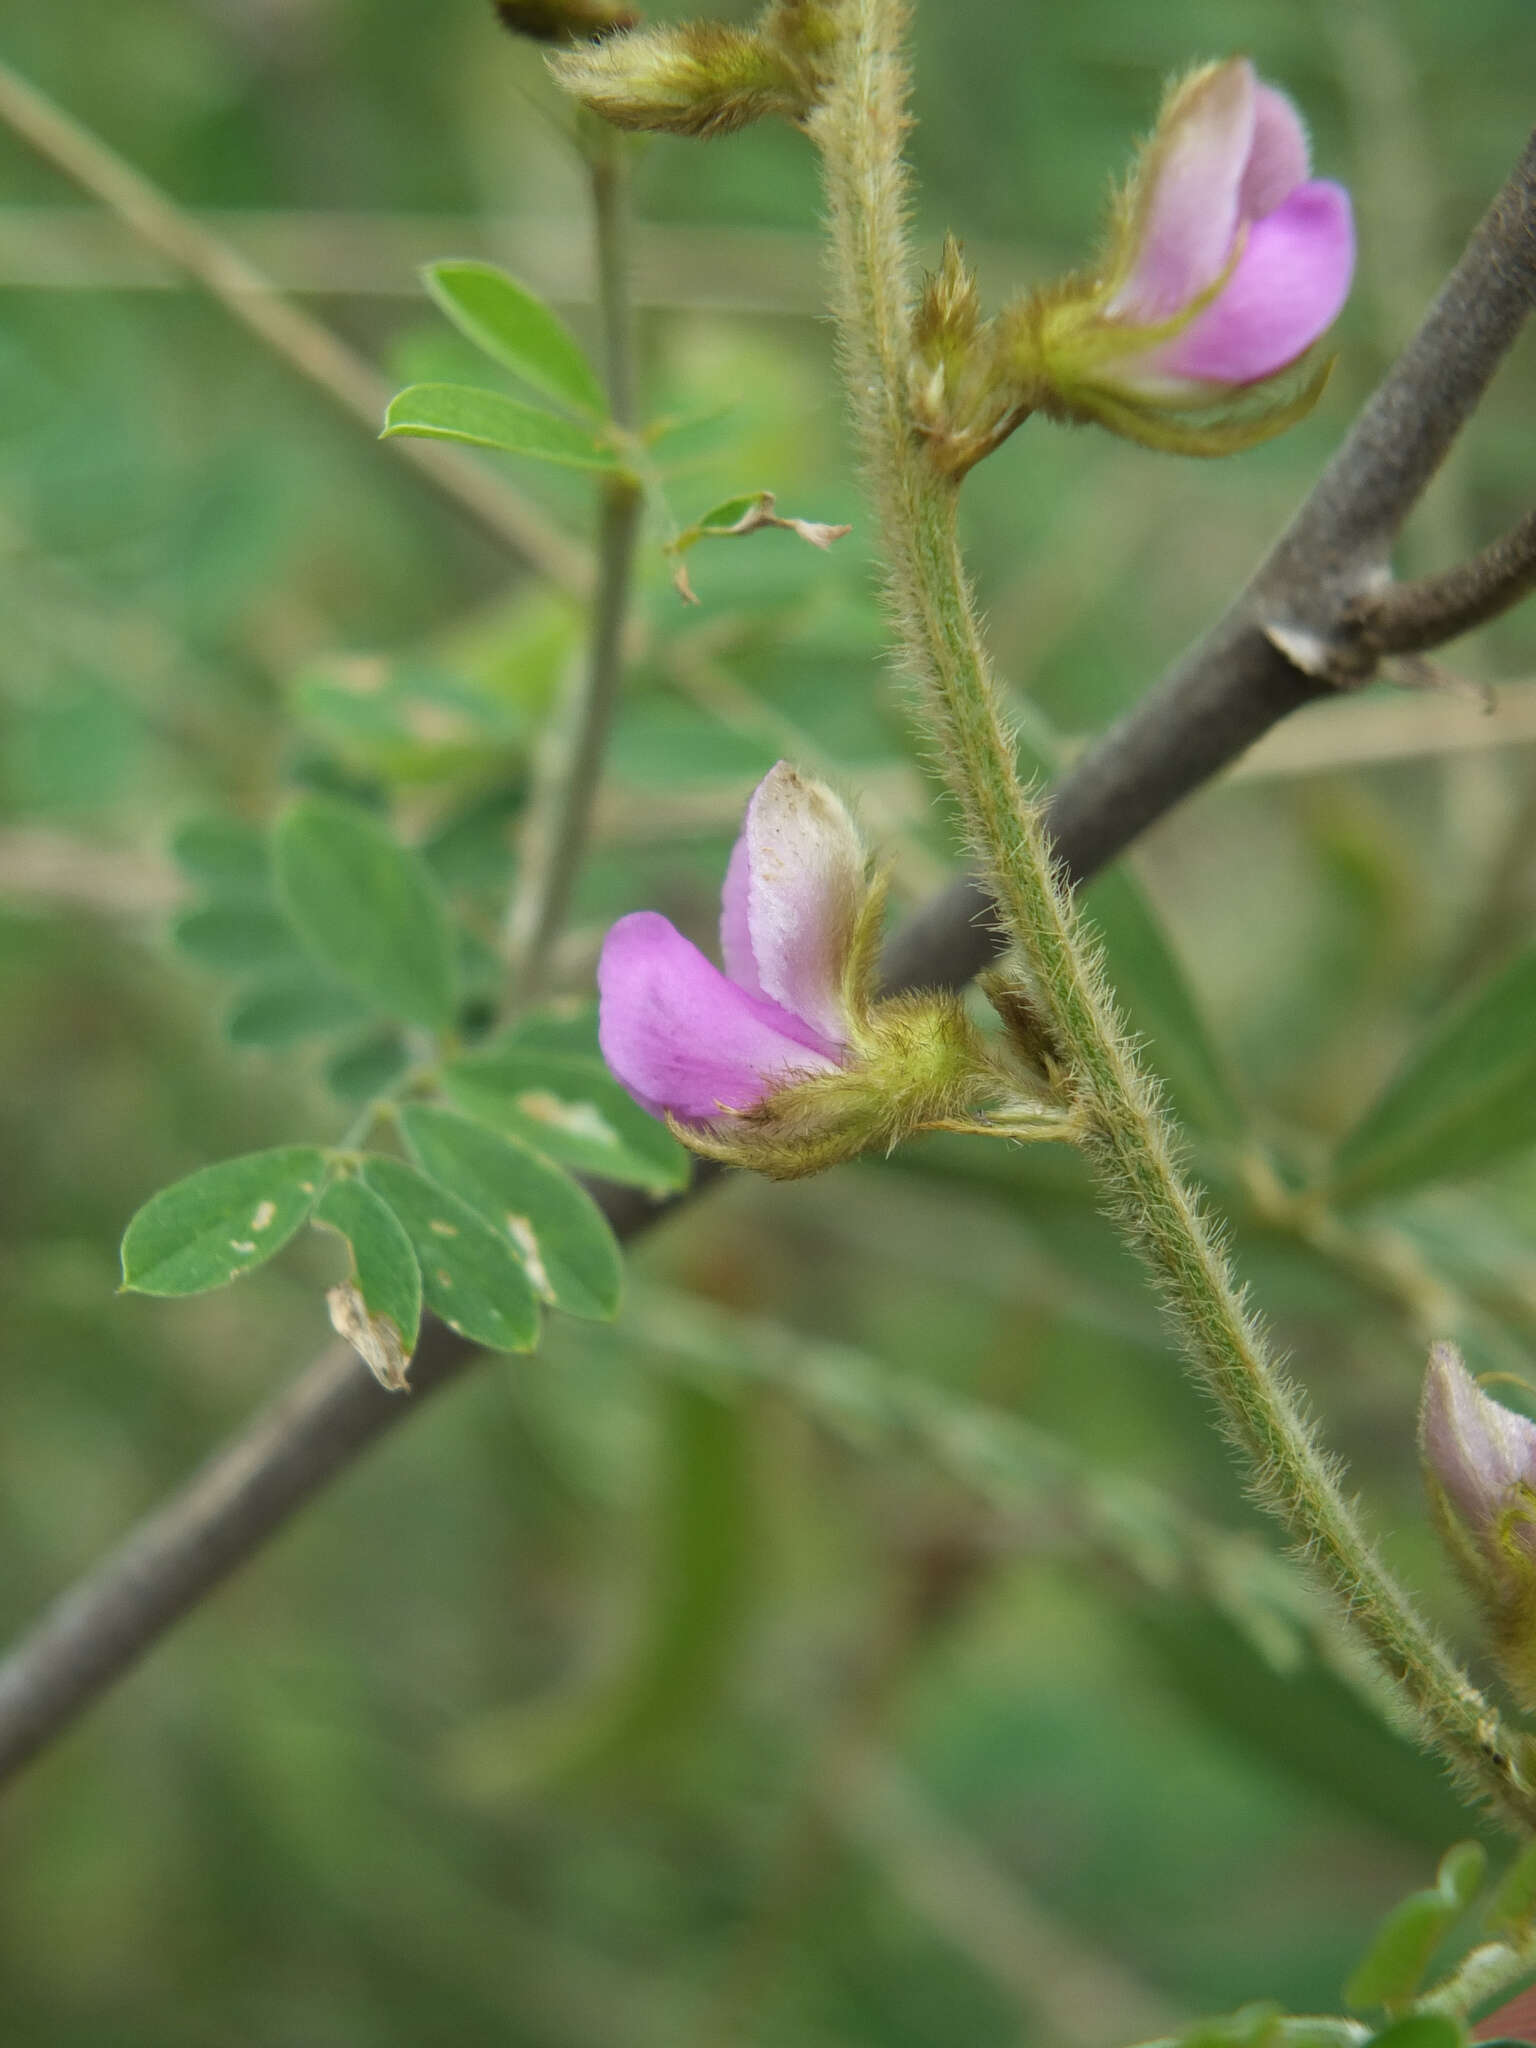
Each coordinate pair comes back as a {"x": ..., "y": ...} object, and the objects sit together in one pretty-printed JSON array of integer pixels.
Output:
[
  {"x": 487, "y": 419},
  {"x": 518, "y": 330},
  {"x": 1465, "y": 1100},
  {"x": 1290, "y": 1705},
  {"x": 1159, "y": 1005},
  {"x": 699, "y": 1587},
  {"x": 221, "y": 1222}
]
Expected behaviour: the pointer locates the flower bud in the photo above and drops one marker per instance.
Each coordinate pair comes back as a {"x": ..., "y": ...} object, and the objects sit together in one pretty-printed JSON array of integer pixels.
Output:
[
  {"x": 784, "y": 1062},
  {"x": 704, "y": 78},
  {"x": 959, "y": 403},
  {"x": 565, "y": 21},
  {"x": 1226, "y": 263},
  {"x": 1479, "y": 1463}
]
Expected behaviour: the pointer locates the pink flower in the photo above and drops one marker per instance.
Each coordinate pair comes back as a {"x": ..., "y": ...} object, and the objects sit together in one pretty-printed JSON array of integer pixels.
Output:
[
  {"x": 1480, "y": 1474},
  {"x": 685, "y": 1038},
  {"x": 1224, "y": 193},
  {"x": 1480, "y": 1455}
]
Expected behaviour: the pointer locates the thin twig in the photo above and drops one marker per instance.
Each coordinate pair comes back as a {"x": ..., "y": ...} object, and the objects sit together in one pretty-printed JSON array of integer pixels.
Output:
[
  {"x": 1233, "y": 686},
  {"x": 302, "y": 341},
  {"x": 1406, "y": 618},
  {"x": 557, "y": 841}
]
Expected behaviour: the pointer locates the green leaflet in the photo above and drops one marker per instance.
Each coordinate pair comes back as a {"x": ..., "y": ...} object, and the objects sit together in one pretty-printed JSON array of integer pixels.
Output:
[
  {"x": 289, "y": 1004},
  {"x": 517, "y": 329},
  {"x": 385, "y": 1273},
  {"x": 221, "y": 1222},
  {"x": 366, "y": 1066},
  {"x": 488, "y": 419},
  {"x": 553, "y": 1226},
  {"x": 1465, "y": 1099},
  {"x": 368, "y": 908},
  {"x": 572, "y": 1110},
  {"x": 1393, "y": 1966},
  {"x": 237, "y": 938},
  {"x": 224, "y": 856},
  {"x": 469, "y": 1275}
]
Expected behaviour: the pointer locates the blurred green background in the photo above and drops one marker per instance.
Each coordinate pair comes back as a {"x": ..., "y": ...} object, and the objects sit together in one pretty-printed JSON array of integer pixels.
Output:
[{"x": 819, "y": 1656}]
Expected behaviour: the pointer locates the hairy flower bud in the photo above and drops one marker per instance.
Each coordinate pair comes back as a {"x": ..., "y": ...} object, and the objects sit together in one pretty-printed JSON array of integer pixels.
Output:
[
  {"x": 783, "y": 1063},
  {"x": 958, "y": 402},
  {"x": 1480, "y": 1471},
  {"x": 703, "y": 78},
  {"x": 1226, "y": 263},
  {"x": 565, "y": 21}
]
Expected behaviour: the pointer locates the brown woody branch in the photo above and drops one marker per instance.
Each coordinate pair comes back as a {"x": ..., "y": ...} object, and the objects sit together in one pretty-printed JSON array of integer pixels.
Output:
[{"x": 1230, "y": 688}]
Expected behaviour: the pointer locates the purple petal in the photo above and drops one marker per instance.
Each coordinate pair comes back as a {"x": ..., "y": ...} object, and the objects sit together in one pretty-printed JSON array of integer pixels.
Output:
[
  {"x": 1188, "y": 215},
  {"x": 735, "y": 937},
  {"x": 683, "y": 1038},
  {"x": 805, "y": 879},
  {"x": 1289, "y": 284},
  {"x": 1477, "y": 1449},
  {"x": 1279, "y": 160}
]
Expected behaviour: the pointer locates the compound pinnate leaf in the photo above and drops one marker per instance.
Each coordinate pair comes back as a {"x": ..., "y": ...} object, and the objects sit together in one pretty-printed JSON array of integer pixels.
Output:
[
  {"x": 517, "y": 329},
  {"x": 631, "y": 1716},
  {"x": 572, "y": 1110},
  {"x": 221, "y": 1222},
  {"x": 385, "y": 1270},
  {"x": 1465, "y": 1099},
  {"x": 554, "y": 1226},
  {"x": 469, "y": 1274},
  {"x": 369, "y": 909},
  {"x": 487, "y": 419}
]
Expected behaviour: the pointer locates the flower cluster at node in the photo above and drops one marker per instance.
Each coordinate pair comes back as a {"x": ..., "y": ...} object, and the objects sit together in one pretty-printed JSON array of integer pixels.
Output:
[
  {"x": 1229, "y": 240},
  {"x": 1226, "y": 262},
  {"x": 785, "y": 1062}
]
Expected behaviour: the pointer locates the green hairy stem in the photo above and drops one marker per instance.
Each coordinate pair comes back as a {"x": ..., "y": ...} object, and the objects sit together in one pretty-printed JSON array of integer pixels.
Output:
[{"x": 859, "y": 127}]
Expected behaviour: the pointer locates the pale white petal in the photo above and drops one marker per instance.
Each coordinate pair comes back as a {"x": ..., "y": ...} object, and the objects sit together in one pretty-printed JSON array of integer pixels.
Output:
[{"x": 805, "y": 881}]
